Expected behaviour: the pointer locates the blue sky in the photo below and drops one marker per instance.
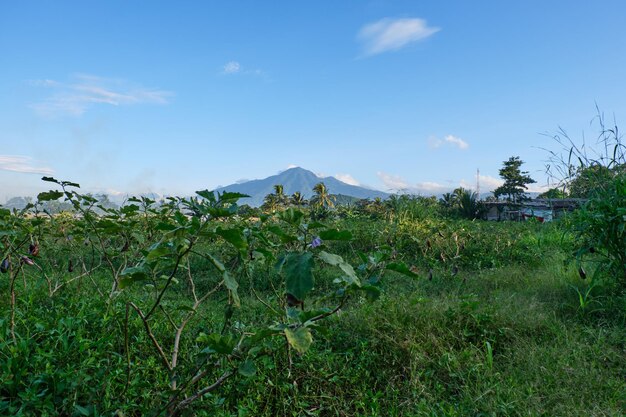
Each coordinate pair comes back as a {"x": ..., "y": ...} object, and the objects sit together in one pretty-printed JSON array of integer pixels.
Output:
[{"x": 171, "y": 97}]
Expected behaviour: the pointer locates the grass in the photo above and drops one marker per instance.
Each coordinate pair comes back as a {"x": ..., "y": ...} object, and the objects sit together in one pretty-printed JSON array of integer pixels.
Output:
[{"x": 507, "y": 341}]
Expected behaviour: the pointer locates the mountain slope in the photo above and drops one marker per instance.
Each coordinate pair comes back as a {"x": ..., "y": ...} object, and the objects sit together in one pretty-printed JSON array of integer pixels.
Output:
[{"x": 297, "y": 179}]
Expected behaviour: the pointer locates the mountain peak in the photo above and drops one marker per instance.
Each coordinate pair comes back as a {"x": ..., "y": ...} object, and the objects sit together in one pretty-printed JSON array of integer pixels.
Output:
[{"x": 297, "y": 179}]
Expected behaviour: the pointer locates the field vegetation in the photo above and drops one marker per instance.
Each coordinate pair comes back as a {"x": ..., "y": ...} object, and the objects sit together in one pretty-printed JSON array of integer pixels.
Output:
[{"x": 406, "y": 307}]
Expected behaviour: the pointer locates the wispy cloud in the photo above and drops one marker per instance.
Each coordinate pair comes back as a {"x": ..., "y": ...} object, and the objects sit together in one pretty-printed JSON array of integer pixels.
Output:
[
  {"x": 24, "y": 164},
  {"x": 393, "y": 34},
  {"x": 348, "y": 179},
  {"x": 232, "y": 67},
  {"x": 85, "y": 91},
  {"x": 435, "y": 142},
  {"x": 235, "y": 67}
]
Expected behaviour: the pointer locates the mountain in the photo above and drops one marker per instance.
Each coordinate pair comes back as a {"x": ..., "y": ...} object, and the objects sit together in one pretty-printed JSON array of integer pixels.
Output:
[{"x": 297, "y": 179}]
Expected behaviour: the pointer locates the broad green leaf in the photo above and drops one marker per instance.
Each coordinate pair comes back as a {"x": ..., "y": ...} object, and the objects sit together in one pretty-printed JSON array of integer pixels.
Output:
[
  {"x": 129, "y": 209},
  {"x": 284, "y": 237},
  {"x": 156, "y": 251},
  {"x": 216, "y": 343},
  {"x": 49, "y": 195},
  {"x": 298, "y": 269},
  {"x": 227, "y": 197},
  {"x": 165, "y": 227},
  {"x": 315, "y": 225},
  {"x": 131, "y": 275},
  {"x": 209, "y": 195},
  {"x": 247, "y": 368},
  {"x": 336, "y": 260},
  {"x": 332, "y": 234},
  {"x": 50, "y": 179},
  {"x": 401, "y": 268},
  {"x": 291, "y": 216},
  {"x": 232, "y": 286},
  {"x": 371, "y": 292},
  {"x": 234, "y": 237},
  {"x": 299, "y": 339},
  {"x": 180, "y": 218},
  {"x": 109, "y": 226},
  {"x": 5, "y": 212}
]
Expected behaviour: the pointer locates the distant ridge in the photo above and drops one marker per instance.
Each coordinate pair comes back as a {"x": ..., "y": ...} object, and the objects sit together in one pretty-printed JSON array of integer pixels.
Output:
[{"x": 297, "y": 179}]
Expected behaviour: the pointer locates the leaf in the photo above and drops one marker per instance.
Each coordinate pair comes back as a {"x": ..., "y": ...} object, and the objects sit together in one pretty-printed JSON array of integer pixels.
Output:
[
  {"x": 332, "y": 234},
  {"x": 156, "y": 251},
  {"x": 227, "y": 197},
  {"x": 4, "y": 212},
  {"x": 229, "y": 281},
  {"x": 247, "y": 368},
  {"x": 371, "y": 292},
  {"x": 209, "y": 195},
  {"x": 402, "y": 269},
  {"x": 131, "y": 275},
  {"x": 300, "y": 339},
  {"x": 83, "y": 411},
  {"x": 49, "y": 195},
  {"x": 291, "y": 216},
  {"x": 315, "y": 225},
  {"x": 284, "y": 237},
  {"x": 49, "y": 179},
  {"x": 234, "y": 237},
  {"x": 298, "y": 269},
  {"x": 336, "y": 260},
  {"x": 216, "y": 343}
]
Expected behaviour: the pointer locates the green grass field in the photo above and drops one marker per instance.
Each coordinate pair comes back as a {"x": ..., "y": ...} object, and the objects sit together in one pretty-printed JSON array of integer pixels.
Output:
[{"x": 505, "y": 327}]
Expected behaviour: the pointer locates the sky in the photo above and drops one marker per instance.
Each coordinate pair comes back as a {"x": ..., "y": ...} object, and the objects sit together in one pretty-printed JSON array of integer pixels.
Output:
[{"x": 172, "y": 97}]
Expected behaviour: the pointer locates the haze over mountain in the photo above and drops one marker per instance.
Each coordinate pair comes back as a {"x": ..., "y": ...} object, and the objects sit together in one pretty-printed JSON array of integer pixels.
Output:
[{"x": 297, "y": 179}]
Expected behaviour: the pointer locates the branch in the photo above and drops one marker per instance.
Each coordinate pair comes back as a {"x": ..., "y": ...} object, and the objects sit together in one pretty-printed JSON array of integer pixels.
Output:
[
  {"x": 146, "y": 325},
  {"x": 185, "y": 403}
]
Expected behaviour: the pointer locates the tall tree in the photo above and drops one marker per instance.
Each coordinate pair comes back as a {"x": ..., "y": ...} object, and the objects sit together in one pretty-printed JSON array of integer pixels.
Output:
[
  {"x": 515, "y": 181},
  {"x": 297, "y": 199},
  {"x": 276, "y": 200},
  {"x": 279, "y": 191},
  {"x": 322, "y": 198}
]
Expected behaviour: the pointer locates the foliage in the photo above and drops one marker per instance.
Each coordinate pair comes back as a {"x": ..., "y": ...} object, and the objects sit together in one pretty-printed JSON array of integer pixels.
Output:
[
  {"x": 515, "y": 181},
  {"x": 462, "y": 203},
  {"x": 553, "y": 193},
  {"x": 201, "y": 307},
  {"x": 596, "y": 173},
  {"x": 321, "y": 197},
  {"x": 600, "y": 226}
]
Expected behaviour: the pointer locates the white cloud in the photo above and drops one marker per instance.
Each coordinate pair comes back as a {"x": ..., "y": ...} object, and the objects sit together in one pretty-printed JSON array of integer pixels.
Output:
[
  {"x": 393, "y": 182},
  {"x": 292, "y": 166},
  {"x": 231, "y": 67},
  {"x": 85, "y": 91},
  {"x": 458, "y": 142},
  {"x": 434, "y": 142},
  {"x": 24, "y": 164},
  {"x": 348, "y": 179},
  {"x": 486, "y": 182},
  {"x": 393, "y": 34}
]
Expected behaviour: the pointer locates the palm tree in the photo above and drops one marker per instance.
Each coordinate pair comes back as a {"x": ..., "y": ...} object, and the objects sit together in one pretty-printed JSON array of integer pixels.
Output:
[
  {"x": 279, "y": 192},
  {"x": 468, "y": 204},
  {"x": 321, "y": 197},
  {"x": 270, "y": 203},
  {"x": 297, "y": 199},
  {"x": 448, "y": 200}
]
